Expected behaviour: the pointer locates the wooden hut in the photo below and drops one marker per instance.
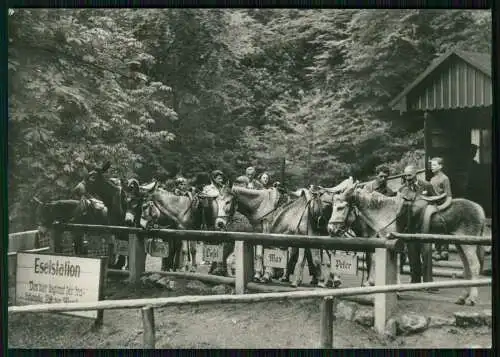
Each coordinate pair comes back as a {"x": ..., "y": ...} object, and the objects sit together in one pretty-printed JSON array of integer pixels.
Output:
[{"x": 454, "y": 97}]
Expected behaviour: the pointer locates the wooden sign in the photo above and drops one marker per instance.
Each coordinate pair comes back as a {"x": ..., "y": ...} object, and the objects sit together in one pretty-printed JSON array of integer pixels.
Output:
[
  {"x": 275, "y": 258},
  {"x": 156, "y": 247},
  {"x": 213, "y": 253},
  {"x": 46, "y": 279},
  {"x": 345, "y": 263}
]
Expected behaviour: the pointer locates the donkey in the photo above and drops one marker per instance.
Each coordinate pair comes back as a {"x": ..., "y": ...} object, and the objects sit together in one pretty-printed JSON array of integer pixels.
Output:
[
  {"x": 180, "y": 212},
  {"x": 373, "y": 214},
  {"x": 111, "y": 192},
  {"x": 70, "y": 211},
  {"x": 258, "y": 206}
]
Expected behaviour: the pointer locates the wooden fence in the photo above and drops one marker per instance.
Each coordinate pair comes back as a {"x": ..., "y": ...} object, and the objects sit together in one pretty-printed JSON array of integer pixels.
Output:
[
  {"x": 386, "y": 269},
  {"x": 327, "y": 304}
]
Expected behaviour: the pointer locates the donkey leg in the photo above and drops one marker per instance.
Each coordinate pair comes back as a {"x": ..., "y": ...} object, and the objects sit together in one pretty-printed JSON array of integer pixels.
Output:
[
  {"x": 370, "y": 263},
  {"x": 185, "y": 255},
  {"x": 324, "y": 277},
  {"x": 268, "y": 272},
  {"x": 316, "y": 264},
  {"x": 481, "y": 254},
  {"x": 465, "y": 294},
  {"x": 471, "y": 271},
  {"x": 299, "y": 268},
  {"x": 311, "y": 267},
  {"x": 228, "y": 248},
  {"x": 292, "y": 261},
  {"x": 192, "y": 250}
]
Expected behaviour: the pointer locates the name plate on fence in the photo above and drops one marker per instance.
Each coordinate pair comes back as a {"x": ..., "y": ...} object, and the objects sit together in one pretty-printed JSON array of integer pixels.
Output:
[
  {"x": 213, "y": 253},
  {"x": 156, "y": 247},
  {"x": 345, "y": 263},
  {"x": 275, "y": 258},
  {"x": 121, "y": 247}
]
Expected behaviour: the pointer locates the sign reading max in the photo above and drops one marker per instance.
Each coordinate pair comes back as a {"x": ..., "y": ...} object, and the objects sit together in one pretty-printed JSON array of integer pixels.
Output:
[{"x": 46, "y": 279}]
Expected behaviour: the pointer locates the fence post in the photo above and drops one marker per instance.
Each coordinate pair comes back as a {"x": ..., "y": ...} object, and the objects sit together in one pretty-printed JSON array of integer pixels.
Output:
[
  {"x": 327, "y": 317},
  {"x": 102, "y": 285},
  {"x": 148, "y": 322},
  {"x": 55, "y": 240},
  {"x": 136, "y": 257},
  {"x": 244, "y": 265},
  {"x": 386, "y": 273}
]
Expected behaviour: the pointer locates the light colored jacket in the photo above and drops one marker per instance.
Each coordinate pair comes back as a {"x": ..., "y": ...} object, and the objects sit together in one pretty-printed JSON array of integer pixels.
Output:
[{"x": 210, "y": 190}]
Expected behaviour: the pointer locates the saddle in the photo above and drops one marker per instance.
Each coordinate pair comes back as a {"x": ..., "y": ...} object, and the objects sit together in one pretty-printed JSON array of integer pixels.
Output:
[
  {"x": 435, "y": 205},
  {"x": 422, "y": 210}
]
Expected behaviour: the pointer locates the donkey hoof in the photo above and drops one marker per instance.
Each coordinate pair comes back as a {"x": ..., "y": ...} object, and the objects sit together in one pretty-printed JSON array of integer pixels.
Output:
[
  {"x": 295, "y": 284},
  {"x": 460, "y": 301},
  {"x": 470, "y": 302},
  {"x": 266, "y": 278},
  {"x": 337, "y": 283}
]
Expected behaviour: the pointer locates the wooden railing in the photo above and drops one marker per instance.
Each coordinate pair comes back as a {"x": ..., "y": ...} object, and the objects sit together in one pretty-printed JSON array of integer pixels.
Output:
[
  {"x": 327, "y": 304},
  {"x": 386, "y": 269}
]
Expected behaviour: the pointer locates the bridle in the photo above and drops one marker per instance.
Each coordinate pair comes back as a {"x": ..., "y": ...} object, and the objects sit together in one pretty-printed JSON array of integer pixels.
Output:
[{"x": 352, "y": 208}]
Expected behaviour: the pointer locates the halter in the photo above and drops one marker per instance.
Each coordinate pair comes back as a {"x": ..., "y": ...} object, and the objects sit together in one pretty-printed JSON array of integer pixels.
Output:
[
  {"x": 358, "y": 213},
  {"x": 229, "y": 217}
]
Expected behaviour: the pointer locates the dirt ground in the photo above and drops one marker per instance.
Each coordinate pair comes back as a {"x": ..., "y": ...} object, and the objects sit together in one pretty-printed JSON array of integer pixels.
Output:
[{"x": 279, "y": 324}]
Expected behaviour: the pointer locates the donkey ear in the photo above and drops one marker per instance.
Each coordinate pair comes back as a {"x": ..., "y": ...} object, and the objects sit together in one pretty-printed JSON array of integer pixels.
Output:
[{"x": 106, "y": 166}]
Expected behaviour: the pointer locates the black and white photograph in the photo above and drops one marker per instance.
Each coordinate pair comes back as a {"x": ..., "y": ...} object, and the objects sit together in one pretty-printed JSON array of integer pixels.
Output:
[{"x": 249, "y": 178}]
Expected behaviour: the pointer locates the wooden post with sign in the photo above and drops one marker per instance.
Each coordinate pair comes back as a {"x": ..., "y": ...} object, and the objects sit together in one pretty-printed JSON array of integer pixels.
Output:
[
  {"x": 244, "y": 265},
  {"x": 137, "y": 257},
  {"x": 386, "y": 273}
]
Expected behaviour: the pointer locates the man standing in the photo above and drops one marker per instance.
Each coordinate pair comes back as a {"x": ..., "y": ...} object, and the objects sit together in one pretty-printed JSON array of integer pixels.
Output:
[
  {"x": 419, "y": 254},
  {"x": 441, "y": 185},
  {"x": 380, "y": 183},
  {"x": 253, "y": 182},
  {"x": 181, "y": 186},
  {"x": 472, "y": 186},
  {"x": 217, "y": 181}
]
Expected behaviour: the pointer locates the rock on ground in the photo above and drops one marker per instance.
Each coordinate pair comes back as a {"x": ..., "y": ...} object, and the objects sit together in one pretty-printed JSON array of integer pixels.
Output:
[
  {"x": 364, "y": 317},
  {"x": 199, "y": 286},
  {"x": 411, "y": 323},
  {"x": 222, "y": 289},
  {"x": 346, "y": 310},
  {"x": 470, "y": 319},
  {"x": 440, "y": 321}
]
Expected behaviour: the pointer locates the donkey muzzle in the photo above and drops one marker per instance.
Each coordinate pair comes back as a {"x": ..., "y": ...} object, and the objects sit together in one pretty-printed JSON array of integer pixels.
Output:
[{"x": 334, "y": 229}]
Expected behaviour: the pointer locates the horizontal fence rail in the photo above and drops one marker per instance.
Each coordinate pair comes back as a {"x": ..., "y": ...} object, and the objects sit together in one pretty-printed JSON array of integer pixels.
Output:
[
  {"x": 36, "y": 250},
  {"x": 442, "y": 238},
  {"x": 270, "y": 239},
  {"x": 219, "y": 299}
]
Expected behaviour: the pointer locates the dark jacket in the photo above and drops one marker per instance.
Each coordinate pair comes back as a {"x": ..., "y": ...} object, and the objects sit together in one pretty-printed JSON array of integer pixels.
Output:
[{"x": 417, "y": 188}]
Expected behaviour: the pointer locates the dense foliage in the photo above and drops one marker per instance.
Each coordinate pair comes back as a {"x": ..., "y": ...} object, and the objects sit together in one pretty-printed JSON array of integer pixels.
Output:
[{"x": 163, "y": 92}]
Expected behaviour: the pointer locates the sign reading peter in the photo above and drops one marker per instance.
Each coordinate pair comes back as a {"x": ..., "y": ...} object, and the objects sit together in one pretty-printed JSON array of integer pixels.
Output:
[{"x": 47, "y": 279}]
